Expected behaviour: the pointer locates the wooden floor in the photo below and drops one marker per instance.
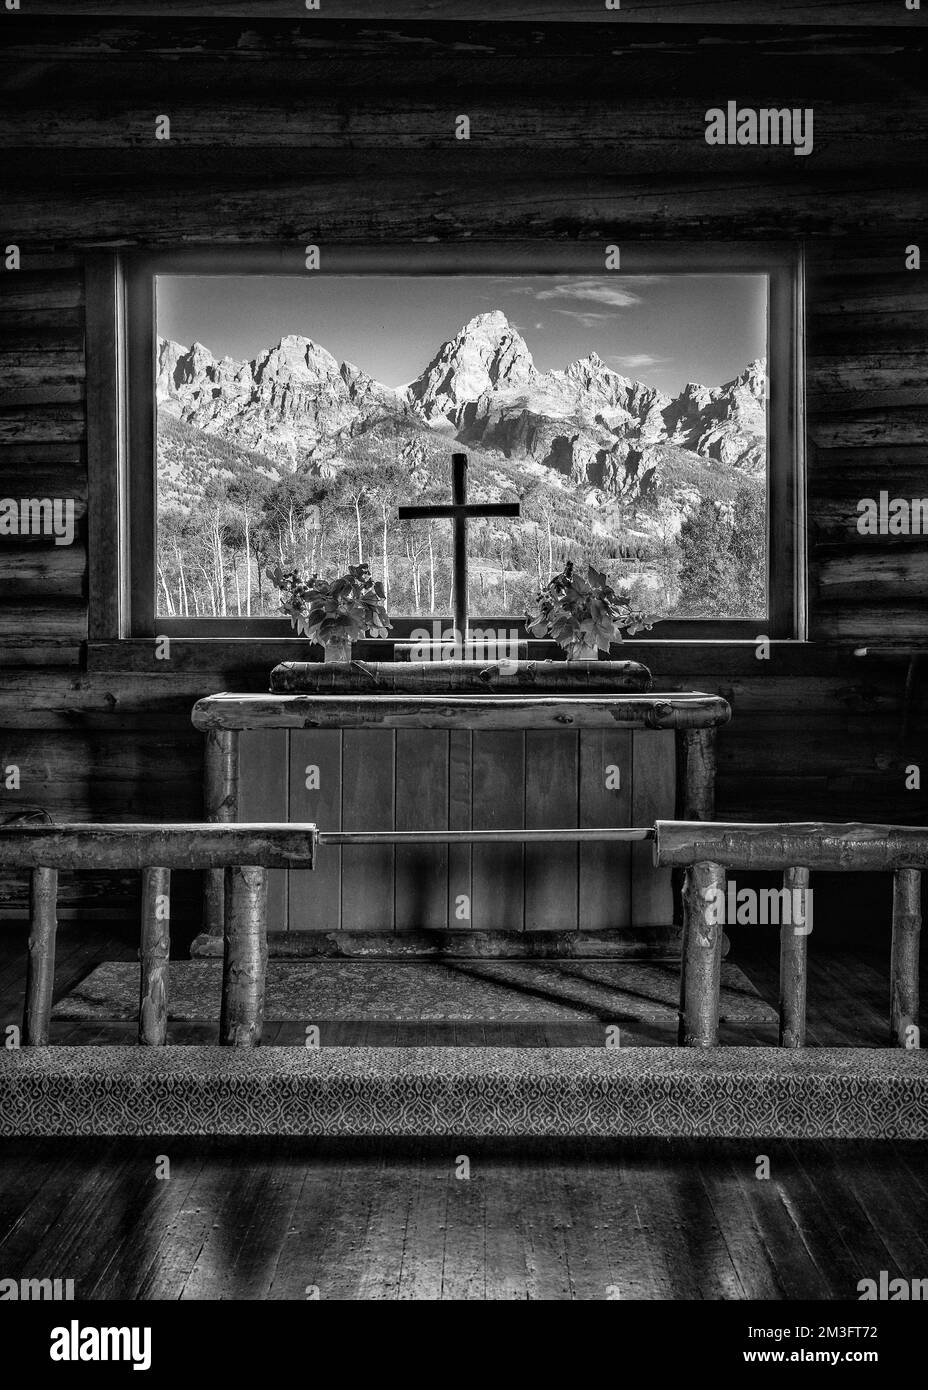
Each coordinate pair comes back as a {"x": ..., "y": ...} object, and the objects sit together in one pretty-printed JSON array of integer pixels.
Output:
[{"x": 291, "y": 1219}]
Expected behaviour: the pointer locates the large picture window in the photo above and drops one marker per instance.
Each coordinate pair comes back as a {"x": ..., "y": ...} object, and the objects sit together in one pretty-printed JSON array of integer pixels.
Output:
[{"x": 643, "y": 419}]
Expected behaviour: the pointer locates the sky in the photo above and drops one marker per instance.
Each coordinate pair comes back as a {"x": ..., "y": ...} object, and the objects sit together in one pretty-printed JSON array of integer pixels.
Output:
[{"x": 665, "y": 330}]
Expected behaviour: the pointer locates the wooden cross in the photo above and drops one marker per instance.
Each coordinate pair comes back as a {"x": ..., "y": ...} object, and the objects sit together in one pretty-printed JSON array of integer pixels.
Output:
[{"x": 459, "y": 511}]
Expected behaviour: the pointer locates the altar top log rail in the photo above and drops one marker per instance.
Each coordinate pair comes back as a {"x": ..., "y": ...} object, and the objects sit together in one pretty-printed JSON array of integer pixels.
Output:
[{"x": 233, "y": 712}]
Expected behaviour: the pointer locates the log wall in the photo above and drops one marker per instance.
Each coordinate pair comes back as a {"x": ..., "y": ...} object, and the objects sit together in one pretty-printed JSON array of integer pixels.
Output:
[{"x": 285, "y": 132}]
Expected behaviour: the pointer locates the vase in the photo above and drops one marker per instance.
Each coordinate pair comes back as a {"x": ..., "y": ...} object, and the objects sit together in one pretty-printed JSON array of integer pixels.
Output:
[
  {"x": 584, "y": 654},
  {"x": 338, "y": 649}
]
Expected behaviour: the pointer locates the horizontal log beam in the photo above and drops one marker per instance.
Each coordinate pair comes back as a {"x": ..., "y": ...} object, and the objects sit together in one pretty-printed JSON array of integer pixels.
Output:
[
  {"x": 654, "y": 942},
  {"x": 815, "y": 13},
  {"x": 853, "y": 847},
  {"x": 486, "y": 676},
  {"x": 233, "y": 212},
  {"x": 192, "y": 845},
  {"x": 662, "y": 711}
]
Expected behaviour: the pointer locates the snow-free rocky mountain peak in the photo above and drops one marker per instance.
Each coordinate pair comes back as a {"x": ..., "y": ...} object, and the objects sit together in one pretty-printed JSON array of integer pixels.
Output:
[{"x": 596, "y": 430}]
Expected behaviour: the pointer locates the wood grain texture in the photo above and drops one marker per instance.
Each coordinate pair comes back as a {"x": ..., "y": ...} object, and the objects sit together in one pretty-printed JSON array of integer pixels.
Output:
[
  {"x": 244, "y": 967},
  {"x": 664, "y": 711},
  {"x": 316, "y": 795},
  {"x": 154, "y": 957},
  {"x": 605, "y": 799},
  {"x": 460, "y": 817},
  {"x": 105, "y": 459},
  {"x": 220, "y": 804},
  {"x": 702, "y": 956},
  {"x": 551, "y": 800},
  {"x": 653, "y": 796},
  {"x": 849, "y": 848},
  {"x": 421, "y": 891},
  {"x": 368, "y": 803},
  {"x": 500, "y": 790},
  {"x": 263, "y": 796},
  {"x": 458, "y": 677},
  {"x": 40, "y": 973},
  {"x": 233, "y": 211},
  {"x": 175, "y": 846},
  {"x": 827, "y": 13},
  {"x": 793, "y": 959},
  {"x": 904, "y": 966}
]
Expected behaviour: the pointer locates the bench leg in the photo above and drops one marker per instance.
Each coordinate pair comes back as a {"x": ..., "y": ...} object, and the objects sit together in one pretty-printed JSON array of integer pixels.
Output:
[
  {"x": 245, "y": 957},
  {"x": 794, "y": 936},
  {"x": 40, "y": 968},
  {"x": 907, "y": 921},
  {"x": 154, "y": 955},
  {"x": 703, "y": 909}
]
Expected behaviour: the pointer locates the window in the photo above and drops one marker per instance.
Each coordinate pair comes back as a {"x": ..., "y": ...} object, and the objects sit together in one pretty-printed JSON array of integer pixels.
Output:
[{"x": 646, "y": 419}]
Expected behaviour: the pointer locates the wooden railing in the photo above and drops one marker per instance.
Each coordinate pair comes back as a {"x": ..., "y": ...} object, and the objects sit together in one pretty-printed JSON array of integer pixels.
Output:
[
  {"x": 706, "y": 850},
  {"x": 245, "y": 852}
]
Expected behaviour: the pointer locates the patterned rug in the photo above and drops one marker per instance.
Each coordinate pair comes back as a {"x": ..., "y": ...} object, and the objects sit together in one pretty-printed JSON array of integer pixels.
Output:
[{"x": 408, "y": 992}]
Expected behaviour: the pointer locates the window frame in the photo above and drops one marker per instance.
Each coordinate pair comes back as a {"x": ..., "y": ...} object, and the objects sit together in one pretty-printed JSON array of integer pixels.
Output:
[{"x": 122, "y": 415}]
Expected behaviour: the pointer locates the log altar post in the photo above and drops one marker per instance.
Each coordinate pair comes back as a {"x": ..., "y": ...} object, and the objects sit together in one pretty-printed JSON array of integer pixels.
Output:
[
  {"x": 154, "y": 955},
  {"x": 700, "y": 978},
  {"x": 793, "y": 962},
  {"x": 697, "y": 775},
  {"x": 907, "y": 921},
  {"x": 220, "y": 796},
  {"x": 245, "y": 957},
  {"x": 40, "y": 968},
  {"x": 695, "y": 798}
]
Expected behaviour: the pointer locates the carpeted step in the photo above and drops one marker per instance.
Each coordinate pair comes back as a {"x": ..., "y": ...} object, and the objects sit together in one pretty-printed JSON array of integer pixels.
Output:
[{"x": 728, "y": 1092}]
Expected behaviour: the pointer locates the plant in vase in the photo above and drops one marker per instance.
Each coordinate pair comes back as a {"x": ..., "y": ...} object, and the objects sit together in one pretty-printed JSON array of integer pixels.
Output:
[
  {"x": 584, "y": 615},
  {"x": 333, "y": 612}
]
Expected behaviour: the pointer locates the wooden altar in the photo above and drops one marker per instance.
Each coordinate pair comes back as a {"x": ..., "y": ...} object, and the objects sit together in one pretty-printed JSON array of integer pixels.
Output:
[{"x": 520, "y": 745}]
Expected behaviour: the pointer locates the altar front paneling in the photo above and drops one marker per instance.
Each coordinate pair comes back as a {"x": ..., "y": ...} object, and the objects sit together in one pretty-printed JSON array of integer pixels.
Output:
[
  {"x": 461, "y": 763},
  {"x": 426, "y": 779}
]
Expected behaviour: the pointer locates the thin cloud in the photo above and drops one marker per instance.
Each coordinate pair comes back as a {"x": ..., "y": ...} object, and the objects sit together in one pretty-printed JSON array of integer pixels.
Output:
[
  {"x": 617, "y": 296},
  {"x": 587, "y": 317},
  {"x": 635, "y": 361}
]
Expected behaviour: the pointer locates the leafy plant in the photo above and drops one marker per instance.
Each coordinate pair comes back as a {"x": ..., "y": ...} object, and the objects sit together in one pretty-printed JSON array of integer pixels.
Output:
[
  {"x": 328, "y": 610},
  {"x": 580, "y": 613}
]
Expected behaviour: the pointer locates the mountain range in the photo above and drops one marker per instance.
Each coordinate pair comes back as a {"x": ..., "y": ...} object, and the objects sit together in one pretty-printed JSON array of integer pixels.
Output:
[{"x": 586, "y": 428}]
